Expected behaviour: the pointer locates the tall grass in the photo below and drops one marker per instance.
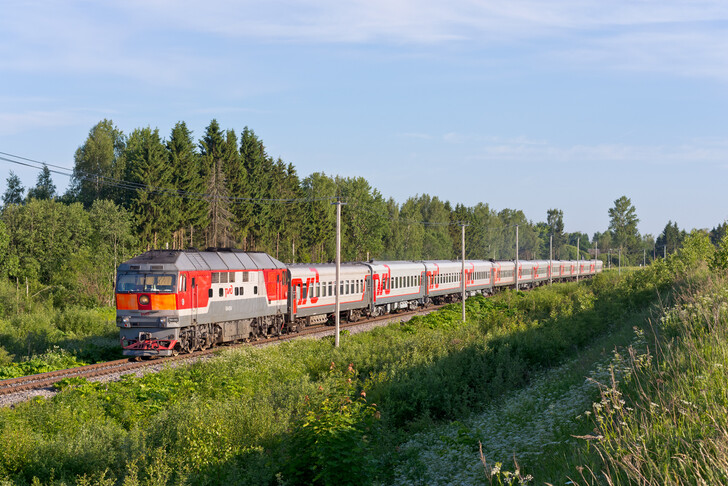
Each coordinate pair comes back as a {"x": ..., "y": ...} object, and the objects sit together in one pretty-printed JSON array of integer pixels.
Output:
[
  {"x": 46, "y": 338},
  {"x": 667, "y": 421}
]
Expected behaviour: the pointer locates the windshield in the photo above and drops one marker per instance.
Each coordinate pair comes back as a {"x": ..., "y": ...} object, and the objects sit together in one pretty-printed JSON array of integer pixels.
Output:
[{"x": 149, "y": 282}]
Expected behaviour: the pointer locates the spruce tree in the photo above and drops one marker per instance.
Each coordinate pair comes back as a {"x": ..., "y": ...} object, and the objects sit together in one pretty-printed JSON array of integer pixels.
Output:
[
  {"x": 15, "y": 190},
  {"x": 44, "y": 188},
  {"x": 153, "y": 202},
  {"x": 219, "y": 217},
  {"x": 188, "y": 181}
]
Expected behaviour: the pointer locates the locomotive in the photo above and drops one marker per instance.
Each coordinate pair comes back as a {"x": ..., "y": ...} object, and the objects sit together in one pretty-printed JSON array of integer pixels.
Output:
[{"x": 179, "y": 301}]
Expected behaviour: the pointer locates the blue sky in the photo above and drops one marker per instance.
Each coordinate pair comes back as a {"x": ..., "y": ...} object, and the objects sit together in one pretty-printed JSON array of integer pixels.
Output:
[{"x": 522, "y": 104}]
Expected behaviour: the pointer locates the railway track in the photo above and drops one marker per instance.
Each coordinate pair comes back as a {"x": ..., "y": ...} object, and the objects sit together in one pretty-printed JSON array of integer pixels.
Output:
[{"x": 46, "y": 380}]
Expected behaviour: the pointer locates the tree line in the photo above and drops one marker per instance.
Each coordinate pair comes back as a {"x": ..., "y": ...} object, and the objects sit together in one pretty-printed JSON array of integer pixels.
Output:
[{"x": 129, "y": 193}]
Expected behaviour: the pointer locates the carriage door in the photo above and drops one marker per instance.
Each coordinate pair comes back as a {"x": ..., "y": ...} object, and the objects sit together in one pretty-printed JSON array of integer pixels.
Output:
[{"x": 194, "y": 298}]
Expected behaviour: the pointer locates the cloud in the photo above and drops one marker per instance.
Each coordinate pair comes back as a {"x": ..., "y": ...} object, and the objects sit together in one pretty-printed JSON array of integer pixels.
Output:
[
  {"x": 713, "y": 151},
  {"x": 169, "y": 41}
]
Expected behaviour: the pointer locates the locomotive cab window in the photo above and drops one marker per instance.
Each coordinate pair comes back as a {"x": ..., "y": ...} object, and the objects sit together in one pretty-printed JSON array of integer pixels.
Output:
[{"x": 150, "y": 282}]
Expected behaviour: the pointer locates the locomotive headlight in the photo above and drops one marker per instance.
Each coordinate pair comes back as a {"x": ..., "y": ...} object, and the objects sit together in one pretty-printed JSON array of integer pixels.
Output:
[
  {"x": 124, "y": 321},
  {"x": 143, "y": 300},
  {"x": 162, "y": 322}
]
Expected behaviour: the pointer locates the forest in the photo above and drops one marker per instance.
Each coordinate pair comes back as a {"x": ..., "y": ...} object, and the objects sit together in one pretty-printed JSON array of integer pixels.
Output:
[{"x": 139, "y": 191}]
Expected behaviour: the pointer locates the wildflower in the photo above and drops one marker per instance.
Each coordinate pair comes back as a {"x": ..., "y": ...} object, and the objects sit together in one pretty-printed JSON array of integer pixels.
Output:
[
  {"x": 363, "y": 394},
  {"x": 333, "y": 365}
]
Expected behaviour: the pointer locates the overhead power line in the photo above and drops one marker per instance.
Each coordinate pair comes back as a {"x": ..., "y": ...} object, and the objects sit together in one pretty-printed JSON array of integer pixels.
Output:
[{"x": 135, "y": 186}]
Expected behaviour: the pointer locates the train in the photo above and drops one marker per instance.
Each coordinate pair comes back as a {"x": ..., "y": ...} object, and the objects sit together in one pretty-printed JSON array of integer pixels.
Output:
[{"x": 178, "y": 301}]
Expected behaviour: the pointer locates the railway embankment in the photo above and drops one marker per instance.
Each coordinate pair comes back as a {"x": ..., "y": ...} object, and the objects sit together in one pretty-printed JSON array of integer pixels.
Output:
[{"x": 305, "y": 412}]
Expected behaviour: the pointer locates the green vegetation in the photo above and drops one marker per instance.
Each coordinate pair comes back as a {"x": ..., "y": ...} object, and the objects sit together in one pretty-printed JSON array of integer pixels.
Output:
[
  {"x": 253, "y": 415},
  {"x": 434, "y": 400},
  {"x": 46, "y": 339},
  {"x": 664, "y": 420}
]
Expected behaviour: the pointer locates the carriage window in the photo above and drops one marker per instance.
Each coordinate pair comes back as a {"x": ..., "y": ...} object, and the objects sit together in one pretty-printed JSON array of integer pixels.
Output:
[
  {"x": 209, "y": 294},
  {"x": 255, "y": 290},
  {"x": 183, "y": 283},
  {"x": 237, "y": 291},
  {"x": 221, "y": 292},
  {"x": 231, "y": 278},
  {"x": 246, "y": 277}
]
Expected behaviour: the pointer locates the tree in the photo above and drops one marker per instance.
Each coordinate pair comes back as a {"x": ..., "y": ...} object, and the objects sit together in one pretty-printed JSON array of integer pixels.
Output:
[
  {"x": 44, "y": 188},
  {"x": 319, "y": 218},
  {"x": 152, "y": 202},
  {"x": 112, "y": 239},
  {"x": 363, "y": 218},
  {"x": 412, "y": 229},
  {"x": 257, "y": 167},
  {"x": 527, "y": 236},
  {"x": 187, "y": 179},
  {"x": 436, "y": 243},
  {"x": 219, "y": 216},
  {"x": 670, "y": 239},
  {"x": 555, "y": 222},
  {"x": 14, "y": 192},
  {"x": 98, "y": 165},
  {"x": 623, "y": 224}
]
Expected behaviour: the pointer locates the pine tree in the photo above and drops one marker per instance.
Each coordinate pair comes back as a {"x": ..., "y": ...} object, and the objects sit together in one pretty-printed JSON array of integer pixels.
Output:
[{"x": 14, "y": 192}]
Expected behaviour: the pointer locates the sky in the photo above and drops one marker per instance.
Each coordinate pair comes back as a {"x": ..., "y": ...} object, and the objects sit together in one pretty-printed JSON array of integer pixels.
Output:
[{"x": 522, "y": 104}]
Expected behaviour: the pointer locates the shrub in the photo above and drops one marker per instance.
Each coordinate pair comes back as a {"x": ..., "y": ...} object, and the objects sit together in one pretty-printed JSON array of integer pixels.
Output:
[{"x": 330, "y": 442}]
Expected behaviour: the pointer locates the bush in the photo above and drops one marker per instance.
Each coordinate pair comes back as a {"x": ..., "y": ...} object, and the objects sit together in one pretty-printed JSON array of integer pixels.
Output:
[{"x": 331, "y": 441}]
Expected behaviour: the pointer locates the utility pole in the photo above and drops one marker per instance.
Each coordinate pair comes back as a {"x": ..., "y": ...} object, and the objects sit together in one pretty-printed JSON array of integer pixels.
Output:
[
  {"x": 644, "y": 257},
  {"x": 462, "y": 226},
  {"x": 578, "y": 240},
  {"x": 664, "y": 252},
  {"x": 516, "y": 271},
  {"x": 620, "y": 261},
  {"x": 551, "y": 258},
  {"x": 338, "y": 269}
]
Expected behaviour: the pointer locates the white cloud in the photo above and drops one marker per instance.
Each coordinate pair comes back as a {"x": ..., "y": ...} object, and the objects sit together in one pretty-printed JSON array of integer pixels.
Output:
[{"x": 714, "y": 152}]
